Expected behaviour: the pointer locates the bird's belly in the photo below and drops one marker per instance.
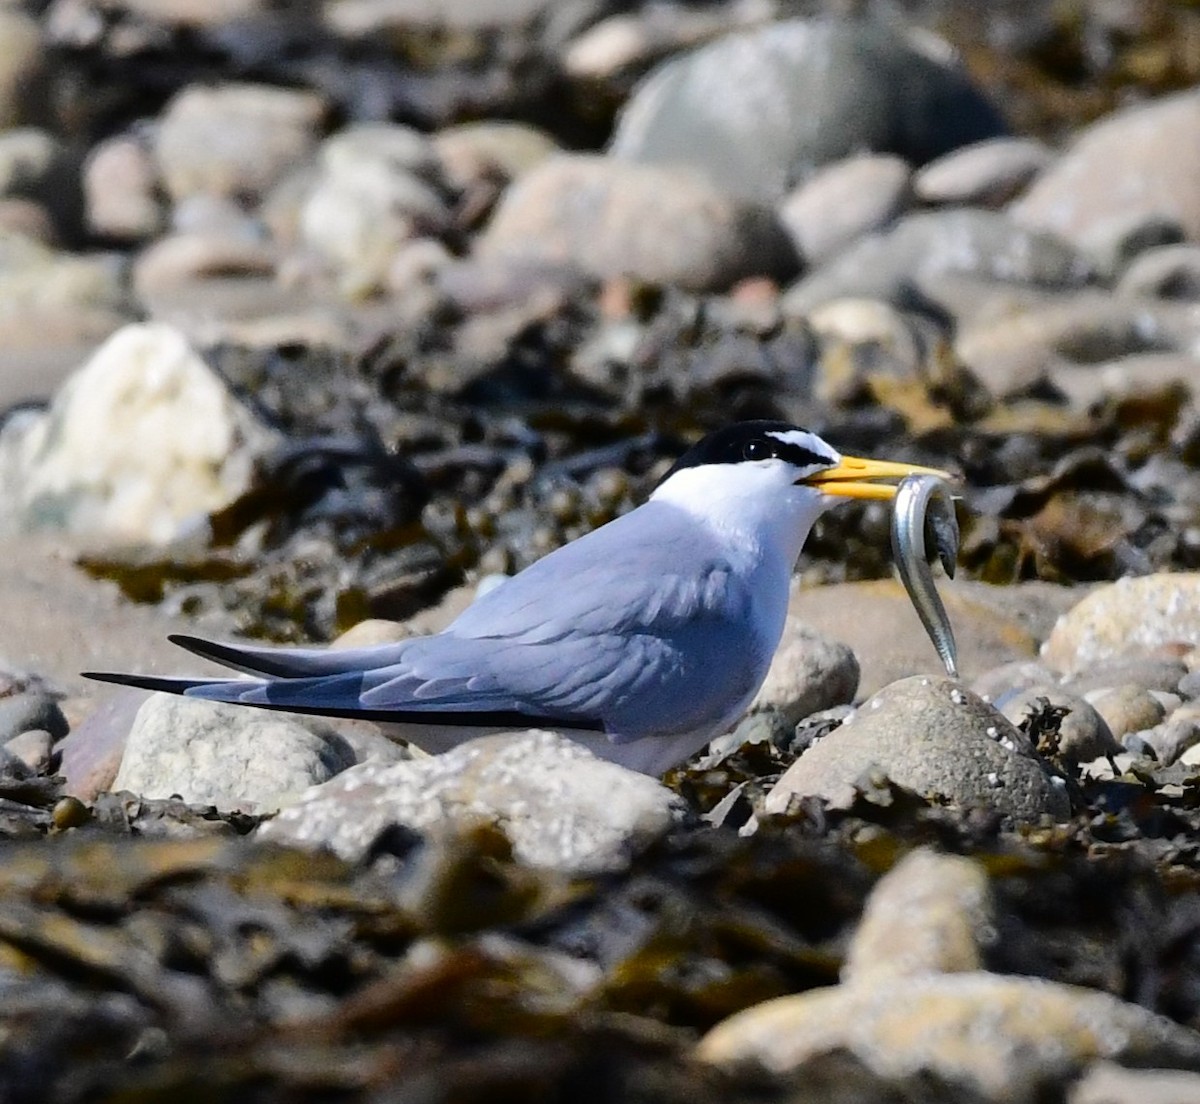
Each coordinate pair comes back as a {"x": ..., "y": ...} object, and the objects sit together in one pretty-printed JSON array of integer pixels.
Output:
[{"x": 650, "y": 755}]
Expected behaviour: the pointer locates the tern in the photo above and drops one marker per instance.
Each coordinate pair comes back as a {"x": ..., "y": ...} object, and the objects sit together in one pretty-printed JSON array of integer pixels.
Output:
[{"x": 643, "y": 639}]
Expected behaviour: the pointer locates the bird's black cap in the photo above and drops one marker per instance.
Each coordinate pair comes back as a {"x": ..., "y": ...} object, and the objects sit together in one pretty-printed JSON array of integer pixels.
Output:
[{"x": 762, "y": 439}]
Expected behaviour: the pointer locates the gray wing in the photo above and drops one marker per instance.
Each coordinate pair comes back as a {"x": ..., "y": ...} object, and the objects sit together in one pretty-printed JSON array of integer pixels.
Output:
[
  {"x": 638, "y": 628},
  {"x": 638, "y": 625}
]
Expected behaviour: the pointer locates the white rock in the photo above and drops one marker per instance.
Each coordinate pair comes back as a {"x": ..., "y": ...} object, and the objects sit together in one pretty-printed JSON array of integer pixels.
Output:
[
  {"x": 373, "y": 195},
  {"x": 211, "y": 753},
  {"x": 561, "y": 806},
  {"x": 138, "y": 444},
  {"x": 235, "y": 139}
]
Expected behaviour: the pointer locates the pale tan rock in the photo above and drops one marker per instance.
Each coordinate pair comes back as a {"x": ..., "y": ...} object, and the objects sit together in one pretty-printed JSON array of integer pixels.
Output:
[
  {"x": 1126, "y": 709},
  {"x": 1143, "y": 161},
  {"x": 1131, "y": 614},
  {"x": 1107, "y": 1083},
  {"x": 226, "y": 755},
  {"x": 661, "y": 224},
  {"x": 931, "y": 913},
  {"x": 843, "y": 201},
  {"x": 1004, "y": 1037},
  {"x": 235, "y": 139}
]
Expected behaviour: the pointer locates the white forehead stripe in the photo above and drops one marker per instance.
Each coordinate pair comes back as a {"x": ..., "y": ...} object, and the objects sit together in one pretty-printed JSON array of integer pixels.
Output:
[{"x": 810, "y": 442}]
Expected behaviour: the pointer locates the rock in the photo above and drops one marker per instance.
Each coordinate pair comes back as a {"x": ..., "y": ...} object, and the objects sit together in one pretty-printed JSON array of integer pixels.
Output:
[
  {"x": 561, "y": 806},
  {"x": 1114, "y": 244},
  {"x": 27, "y": 218},
  {"x": 177, "y": 260},
  {"x": 843, "y": 201},
  {"x": 865, "y": 344},
  {"x": 33, "y": 748},
  {"x": 1174, "y": 738},
  {"x": 35, "y": 280},
  {"x": 932, "y": 736},
  {"x": 35, "y": 165},
  {"x": 371, "y": 633},
  {"x": 1085, "y": 733},
  {"x": 27, "y": 157},
  {"x": 660, "y": 225},
  {"x": 758, "y": 110},
  {"x": 470, "y": 152},
  {"x": 986, "y": 174},
  {"x": 54, "y": 308},
  {"x": 930, "y": 913},
  {"x": 1132, "y": 613},
  {"x": 121, "y": 186},
  {"x": 1166, "y": 272},
  {"x": 90, "y": 756},
  {"x": 235, "y": 139},
  {"x": 809, "y": 673},
  {"x": 210, "y": 753},
  {"x": 933, "y": 244},
  {"x": 1081, "y": 330},
  {"x": 619, "y": 47},
  {"x": 1126, "y": 709},
  {"x": 1149, "y": 672},
  {"x": 876, "y": 620},
  {"x": 140, "y": 444},
  {"x": 21, "y": 62},
  {"x": 373, "y": 21},
  {"x": 1108, "y": 1083},
  {"x": 1011, "y": 678},
  {"x": 1006, "y": 1038},
  {"x": 1090, "y": 385},
  {"x": 1142, "y": 161},
  {"x": 27, "y": 702},
  {"x": 377, "y": 190}
]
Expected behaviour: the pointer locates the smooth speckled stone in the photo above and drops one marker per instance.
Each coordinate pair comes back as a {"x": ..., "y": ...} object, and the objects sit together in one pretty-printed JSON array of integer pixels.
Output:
[
  {"x": 1004, "y": 1037},
  {"x": 1126, "y": 709},
  {"x": 933, "y": 736},
  {"x": 561, "y": 806},
  {"x": 1084, "y": 734},
  {"x": 1131, "y": 614},
  {"x": 931, "y": 913}
]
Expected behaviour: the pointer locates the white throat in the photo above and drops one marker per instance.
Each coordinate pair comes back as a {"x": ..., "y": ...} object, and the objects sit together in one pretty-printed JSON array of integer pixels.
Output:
[{"x": 755, "y": 508}]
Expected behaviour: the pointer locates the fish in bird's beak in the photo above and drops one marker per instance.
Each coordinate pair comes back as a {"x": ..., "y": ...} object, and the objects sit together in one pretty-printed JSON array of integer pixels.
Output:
[{"x": 854, "y": 477}]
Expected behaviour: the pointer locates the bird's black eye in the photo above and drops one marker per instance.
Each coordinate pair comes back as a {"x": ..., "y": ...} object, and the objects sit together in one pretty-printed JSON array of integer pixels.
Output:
[{"x": 758, "y": 449}]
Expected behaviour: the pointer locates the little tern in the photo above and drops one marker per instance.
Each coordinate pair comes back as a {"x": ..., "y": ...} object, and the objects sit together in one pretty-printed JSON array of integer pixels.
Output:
[{"x": 643, "y": 639}]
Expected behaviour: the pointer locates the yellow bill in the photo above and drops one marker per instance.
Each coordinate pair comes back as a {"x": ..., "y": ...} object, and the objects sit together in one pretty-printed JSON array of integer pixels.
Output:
[{"x": 855, "y": 477}]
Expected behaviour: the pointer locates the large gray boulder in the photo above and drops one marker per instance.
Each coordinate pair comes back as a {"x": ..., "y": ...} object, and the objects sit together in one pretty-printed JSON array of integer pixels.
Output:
[{"x": 756, "y": 111}]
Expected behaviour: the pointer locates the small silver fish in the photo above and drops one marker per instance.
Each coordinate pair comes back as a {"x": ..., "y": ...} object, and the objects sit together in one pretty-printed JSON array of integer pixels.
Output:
[{"x": 923, "y": 512}]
